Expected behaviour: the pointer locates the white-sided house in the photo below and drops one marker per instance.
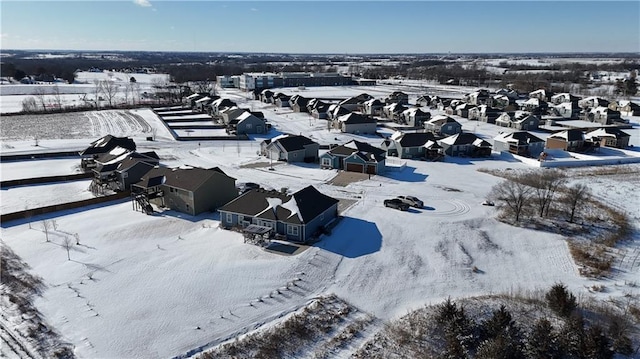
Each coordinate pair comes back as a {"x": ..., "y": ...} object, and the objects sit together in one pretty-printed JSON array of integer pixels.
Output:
[
  {"x": 519, "y": 120},
  {"x": 230, "y": 113},
  {"x": 290, "y": 148},
  {"x": 297, "y": 217},
  {"x": 603, "y": 115},
  {"x": 563, "y": 97},
  {"x": 540, "y": 94},
  {"x": 626, "y": 107},
  {"x": 520, "y": 143},
  {"x": 465, "y": 144},
  {"x": 219, "y": 105},
  {"x": 609, "y": 137},
  {"x": 568, "y": 110},
  {"x": 443, "y": 124},
  {"x": 393, "y": 111},
  {"x": 356, "y": 123},
  {"x": 372, "y": 107},
  {"x": 334, "y": 111},
  {"x": 593, "y": 101},
  {"x": 415, "y": 117}
]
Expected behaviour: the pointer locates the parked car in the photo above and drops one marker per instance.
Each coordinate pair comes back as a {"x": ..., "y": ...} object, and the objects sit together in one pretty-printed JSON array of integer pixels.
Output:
[
  {"x": 396, "y": 203},
  {"x": 488, "y": 203},
  {"x": 246, "y": 187},
  {"x": 411, "y": 201}
]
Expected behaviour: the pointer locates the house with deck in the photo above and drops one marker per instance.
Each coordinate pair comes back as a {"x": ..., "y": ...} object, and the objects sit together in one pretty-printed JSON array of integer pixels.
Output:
[
  {"x": 190, "y": 190},
  {"x": 609, "y": 137},
  {"x": 521, "y": 143},
  {"x": 298, "y": 217},
  {"x": 102, "y": 146}
]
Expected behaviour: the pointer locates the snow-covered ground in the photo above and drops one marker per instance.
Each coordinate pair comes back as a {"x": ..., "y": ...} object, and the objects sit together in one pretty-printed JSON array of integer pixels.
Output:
[{"x": 159, "y": 286}]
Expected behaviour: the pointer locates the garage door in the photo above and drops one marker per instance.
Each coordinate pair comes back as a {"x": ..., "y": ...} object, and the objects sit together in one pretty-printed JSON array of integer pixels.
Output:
[
  {"x": 355, "y": 167},
  {"x": 371, "y": 169}
]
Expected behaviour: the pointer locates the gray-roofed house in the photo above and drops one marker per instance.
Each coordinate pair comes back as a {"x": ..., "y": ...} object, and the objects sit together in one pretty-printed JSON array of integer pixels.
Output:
[
  {"x": 355, "y": 103},
  {"x": 415, "y": 117},
  {"x": 397, "y": 97},
  {"x": 593, "y": 101},
  {"x": 334, "y": 111},
  {"x": 297, "y": 217},
  {"x": 568, "y": 140},
  {"x": 247, "y": 123},
  {"x": 230, "y": 113},
  {"x": 484, "y": 113},
  {"x": 563, "y": 97},
  {"x": 317, "y": 108},
  {"x": 462, "y": 109},
  {"x": 266, "y": 96},
  {"x": 480, "y": 97},
  {"x": 519, "y": 120},
  {"x": 626, "y": 107},
  {"x": 408, "y": 145},
  {"x": 443, "y": 125},
  {"x": 465, "y": 144},
  {"x": 281, "y": 100},
  {"x": 393, "y": 111},
  {"x": 356, "y": 123},
  {"x": 131, "y": 171},
  {"x": 355, "y": 156},
  {"x": 298, "y": 103},
  {"x": 541, "y": 94},
  {"x": 609, "y": 137},
  {"x": 603, "y": 115},
  {"x": 291, "y": 148},
  {"x": 189, "y": 190},
  {"x": 219, "y": 105},
  {"x": 520, "y": 143},
  {"x": 104, "y": 145}
]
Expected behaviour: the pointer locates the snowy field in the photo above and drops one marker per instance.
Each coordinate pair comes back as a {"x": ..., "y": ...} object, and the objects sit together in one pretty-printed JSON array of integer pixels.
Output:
[{"x": 141, "y": 286}]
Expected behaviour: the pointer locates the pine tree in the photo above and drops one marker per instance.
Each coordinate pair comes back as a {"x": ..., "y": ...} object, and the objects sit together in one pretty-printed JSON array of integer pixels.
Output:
[
  {"x": 560, "y": 300},
  {"x": 597, "y": 345},
  {"x": 572, "y": 336},
  {"x": 542, "y": 342}
]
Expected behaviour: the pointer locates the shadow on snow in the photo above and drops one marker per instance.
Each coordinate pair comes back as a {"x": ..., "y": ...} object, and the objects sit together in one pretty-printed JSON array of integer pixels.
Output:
[{"x": 352, "y": 238}]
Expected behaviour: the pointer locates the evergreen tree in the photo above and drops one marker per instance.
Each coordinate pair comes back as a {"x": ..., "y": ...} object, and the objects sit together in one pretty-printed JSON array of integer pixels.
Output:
[
  {"x": 542, "y": 342},
  {"x": 572, "y": 336},
  {"x": 560, "y": 300}
]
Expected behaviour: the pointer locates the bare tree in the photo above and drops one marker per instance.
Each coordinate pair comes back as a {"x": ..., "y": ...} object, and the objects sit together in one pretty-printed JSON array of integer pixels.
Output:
[
  {"x": 512, "y": 196},
  {"x": 204, "y": 86},
  {"x": 109, "y": 89},
  {"x": 96, "y": 92},
  {"x": 57, "y": 99},
  {"x": 545, "y": 183},
  {"x": 39, "y": 94},
  {"x": 575, "y": 198},
  {"x": 67, "y": 243},
  {"x": 46, "y": 226},
  {"x": 29, "y": 105}
]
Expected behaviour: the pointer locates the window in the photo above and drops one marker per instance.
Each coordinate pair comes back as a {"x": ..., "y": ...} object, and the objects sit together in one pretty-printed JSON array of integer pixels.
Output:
[
  {"x": 292, "y": 230},
  {"x": 229, "y": 218},
  {"x": 326, "y": 161}
]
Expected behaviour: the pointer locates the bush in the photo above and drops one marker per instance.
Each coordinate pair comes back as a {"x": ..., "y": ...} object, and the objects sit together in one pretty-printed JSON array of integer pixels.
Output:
[{"x": 560, "y": 300}]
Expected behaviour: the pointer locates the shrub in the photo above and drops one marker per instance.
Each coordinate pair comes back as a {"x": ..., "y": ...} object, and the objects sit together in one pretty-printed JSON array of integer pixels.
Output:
[{"x": 560, "y": 300}]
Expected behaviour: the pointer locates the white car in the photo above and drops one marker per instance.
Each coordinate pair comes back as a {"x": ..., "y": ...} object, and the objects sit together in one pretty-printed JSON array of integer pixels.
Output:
[{"x": 412, "y": 201}]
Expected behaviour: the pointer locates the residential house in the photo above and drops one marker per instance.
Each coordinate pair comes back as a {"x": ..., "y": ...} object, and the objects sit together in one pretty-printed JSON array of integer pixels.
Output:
[
  {"x": 290, "y": 148},
  {"x": 356, "y": 123},
  {"x": 535, "y": 106},
  {"x": 104, "y": 145},
  {"x": 408, "y": 145},
  {"x": 355, "y": 103},
  {"x": 510, "y": 93},
  {"x": 484, "y": 113},
  {"x": 191, "y": 99},
  {"x": 230, "y": 113},
  {"x": 247, "y": 123},
  {"x": 462, "y": 110},
  {"x": 541, "y": 94},
  {"x": 189, "y": 190},
  {"x": 626, "y": 107},
  {"x": 334, "y": 111},
  {"x": 564, "y": 97},
  {"x": 217, "y": 106},
  {"x": 393, "y": 111},
  {"x": 256, "y": 94},
  {"x": 201, "y": 104},
  {"x": 520, "y": 143},
  {"x": 317, "y": 108},
  {"x": 297, "y": 217},
  {"x": 415, "y": 117},
  {"x": 465, "y": 144},
  {"x": 266, "y": 96},
  {"x": 281, "y": 100},
  {"x": 131, "y": 170},
  {"x": 592, "y": 102},
  {"x": 480, "y": 97},
  {"x": 569, "y": 140},
  {"x": 443, "y": 125},
  {"x": 502, "y": 102},
  {"x": 355, "y": 156},
  {"x": 450, "y": 109},
  {"x": 427, "y": 101},
  {"x": 603, "y": 115},
  {"x": 519, "y": 120},
  {"x": 609, "y": 137},
  {"x": 397, "y": 97},
  {"x": 299, "y": 103},
  {"x": 372, "y": 107},
  {"x": 568, "y": 110}
]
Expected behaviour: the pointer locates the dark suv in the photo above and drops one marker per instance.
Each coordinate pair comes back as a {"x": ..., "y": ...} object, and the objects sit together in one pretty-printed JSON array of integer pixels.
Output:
[{"x": 396, "y": 203}]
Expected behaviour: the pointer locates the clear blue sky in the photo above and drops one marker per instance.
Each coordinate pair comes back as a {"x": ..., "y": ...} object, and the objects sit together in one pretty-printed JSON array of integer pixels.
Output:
[{"x": 323, "y": 26}]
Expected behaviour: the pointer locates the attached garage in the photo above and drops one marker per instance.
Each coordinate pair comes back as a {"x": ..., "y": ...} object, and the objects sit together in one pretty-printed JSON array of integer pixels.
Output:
[
  {"x": 355, "y": 167},
  {"x": 371, "y": 169}
]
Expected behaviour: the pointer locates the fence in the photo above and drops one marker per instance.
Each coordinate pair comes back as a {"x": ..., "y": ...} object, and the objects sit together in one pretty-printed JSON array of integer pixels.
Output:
[
  {"x": 32, "y": 156},
  {"x": 36, "y": 180},
  {"x": 28, "y": 213}
]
